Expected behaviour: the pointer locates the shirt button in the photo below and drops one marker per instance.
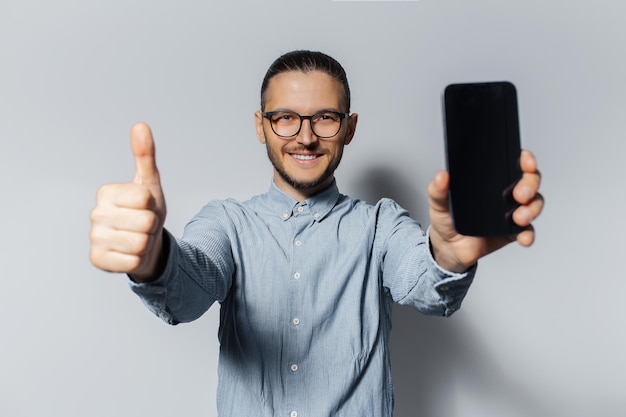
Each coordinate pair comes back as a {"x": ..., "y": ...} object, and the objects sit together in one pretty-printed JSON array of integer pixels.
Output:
[
  {"x": 298, "y": 243},
  {"x": 285, "y": 215},
  {"x": 296, "y": 275},
  {"x": 300, "y": 209},
  {"x": 295, "y": 321},
  {"x": 316, "y": 215},
  {"x": 293, "y": 414},
  {"x": 294, "y": 368}
]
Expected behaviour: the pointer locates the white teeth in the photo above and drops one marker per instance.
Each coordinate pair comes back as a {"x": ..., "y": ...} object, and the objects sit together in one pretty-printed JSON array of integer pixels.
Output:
[{"x": 304, "y": 157}]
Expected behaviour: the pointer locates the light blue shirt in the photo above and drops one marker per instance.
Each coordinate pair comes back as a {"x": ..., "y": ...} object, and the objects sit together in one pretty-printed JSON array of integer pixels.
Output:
[{"x": 306, "y": 290}]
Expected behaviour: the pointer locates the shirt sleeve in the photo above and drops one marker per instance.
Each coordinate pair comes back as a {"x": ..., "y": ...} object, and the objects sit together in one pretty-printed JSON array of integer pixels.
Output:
[
  {"x": 409, "y": 271},
  {"x": 198, "y": 271}
]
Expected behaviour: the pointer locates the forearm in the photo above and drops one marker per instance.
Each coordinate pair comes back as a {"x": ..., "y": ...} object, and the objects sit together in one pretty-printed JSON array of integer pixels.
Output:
[
  {"x": 180, "y": 293},
  {"x": 431, "y": 289}
]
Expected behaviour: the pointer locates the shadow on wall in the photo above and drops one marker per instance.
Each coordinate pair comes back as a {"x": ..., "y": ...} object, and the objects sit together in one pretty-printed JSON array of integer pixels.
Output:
[{"x": 434, "y": 359}]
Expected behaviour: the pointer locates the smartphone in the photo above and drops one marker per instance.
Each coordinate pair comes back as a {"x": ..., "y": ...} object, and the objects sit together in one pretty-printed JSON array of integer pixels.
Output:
[{"x": 483, "y": 156}]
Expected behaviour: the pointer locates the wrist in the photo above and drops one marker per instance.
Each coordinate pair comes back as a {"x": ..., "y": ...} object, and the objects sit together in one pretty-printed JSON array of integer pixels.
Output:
[{"x": 443, "y": 254}]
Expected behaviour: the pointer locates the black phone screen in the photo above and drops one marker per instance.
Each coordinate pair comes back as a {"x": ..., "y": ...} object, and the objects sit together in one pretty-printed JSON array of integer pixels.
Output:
[{"x": 483, "y": 151}]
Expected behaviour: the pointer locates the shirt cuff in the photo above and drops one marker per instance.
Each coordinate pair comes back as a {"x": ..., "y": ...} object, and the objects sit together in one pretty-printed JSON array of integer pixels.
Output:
[
  {"x": 154, "y": 293},
  {"x": 451, "y": 286}
]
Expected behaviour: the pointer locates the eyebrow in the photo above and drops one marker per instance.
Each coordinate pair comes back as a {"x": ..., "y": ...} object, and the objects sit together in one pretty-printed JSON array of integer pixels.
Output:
[{"x": 329, "y": 109}]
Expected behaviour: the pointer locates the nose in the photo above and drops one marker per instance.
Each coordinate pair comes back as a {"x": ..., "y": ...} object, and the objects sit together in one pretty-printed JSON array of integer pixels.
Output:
[{"x": 306, "y": 136}]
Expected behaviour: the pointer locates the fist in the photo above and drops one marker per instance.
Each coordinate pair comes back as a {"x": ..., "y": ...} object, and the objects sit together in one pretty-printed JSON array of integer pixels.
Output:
[{"x": 127, "y": 221}]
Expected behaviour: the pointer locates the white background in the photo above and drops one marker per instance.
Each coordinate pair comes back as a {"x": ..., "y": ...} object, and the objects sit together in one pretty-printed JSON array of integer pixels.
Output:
[{"x": 542, "y": 331}]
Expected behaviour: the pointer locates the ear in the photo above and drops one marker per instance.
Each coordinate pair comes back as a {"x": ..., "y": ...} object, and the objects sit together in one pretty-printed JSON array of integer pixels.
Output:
[
  {"x": 258, "y": 122},
  {"x": 352, "y": 120}
]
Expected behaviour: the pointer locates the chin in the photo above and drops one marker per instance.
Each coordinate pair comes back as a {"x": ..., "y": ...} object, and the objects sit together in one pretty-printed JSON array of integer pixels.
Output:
[{"x": 304, "y": 184}]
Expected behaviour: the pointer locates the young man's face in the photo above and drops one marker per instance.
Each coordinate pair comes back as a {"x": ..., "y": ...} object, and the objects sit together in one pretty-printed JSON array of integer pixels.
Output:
[{"x": 304, "y": 164}]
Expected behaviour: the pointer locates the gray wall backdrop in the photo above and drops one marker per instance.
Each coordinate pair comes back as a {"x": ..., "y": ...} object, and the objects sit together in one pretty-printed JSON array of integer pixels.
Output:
[{"x": 542, "y": 331}]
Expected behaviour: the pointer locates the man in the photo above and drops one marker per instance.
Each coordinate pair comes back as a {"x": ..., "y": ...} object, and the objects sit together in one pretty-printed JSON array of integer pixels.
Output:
[{"x": 305, "y": 276}]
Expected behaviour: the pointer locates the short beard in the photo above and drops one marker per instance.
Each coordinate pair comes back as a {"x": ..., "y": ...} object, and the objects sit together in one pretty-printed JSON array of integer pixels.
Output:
[
  {"x": 311, "y": 185},
  {"x": 299, "y": 185}
]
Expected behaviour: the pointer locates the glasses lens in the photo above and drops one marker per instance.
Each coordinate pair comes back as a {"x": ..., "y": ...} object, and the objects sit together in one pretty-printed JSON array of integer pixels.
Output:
[
  {"x": 285, "y": 123},
  {"x": 326, "y": 124}
]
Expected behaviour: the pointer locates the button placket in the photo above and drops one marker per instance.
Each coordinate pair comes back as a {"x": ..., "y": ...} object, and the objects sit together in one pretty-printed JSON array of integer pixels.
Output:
[{"x": 295, "y": 332}]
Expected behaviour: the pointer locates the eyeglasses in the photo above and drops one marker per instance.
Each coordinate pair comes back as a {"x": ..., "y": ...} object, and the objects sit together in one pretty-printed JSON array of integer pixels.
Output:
[{"x": 287, "y": 124}]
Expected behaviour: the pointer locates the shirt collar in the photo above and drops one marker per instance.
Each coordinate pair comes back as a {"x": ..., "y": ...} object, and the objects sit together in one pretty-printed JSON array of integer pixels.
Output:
[{"x": 319, "y": 205}]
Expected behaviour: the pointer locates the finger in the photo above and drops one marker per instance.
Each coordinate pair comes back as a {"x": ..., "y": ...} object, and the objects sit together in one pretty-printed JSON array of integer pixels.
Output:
[
  {"x": 131, "y": 220},
  {"x": 438, "y": 192},
  {"x": 120, "y": 241},
  {"x": 527, "y": 188},
  {"x": 142, "y": 145},
  {"x": 528, "y": 162},
  {"x": 526, "y": 237},
  {"x": 125, "y": 195},
  {"x": 524, "y": 215},
  {"x": 114, "y": 261}
]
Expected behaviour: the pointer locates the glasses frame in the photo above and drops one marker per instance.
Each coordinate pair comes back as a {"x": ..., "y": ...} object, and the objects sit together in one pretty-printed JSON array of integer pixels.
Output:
[{"x": 268, "y": 115}]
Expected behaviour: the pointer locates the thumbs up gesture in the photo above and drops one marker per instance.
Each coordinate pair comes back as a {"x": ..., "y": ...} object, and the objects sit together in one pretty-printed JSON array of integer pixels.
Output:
[{"x": 127, "y": 222}]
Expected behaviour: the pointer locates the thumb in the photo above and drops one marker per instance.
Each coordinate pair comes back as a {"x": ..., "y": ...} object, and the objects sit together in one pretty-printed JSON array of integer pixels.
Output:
[
  {"x": 142, "y": 145},
  {"x": 438, "y": 192}
]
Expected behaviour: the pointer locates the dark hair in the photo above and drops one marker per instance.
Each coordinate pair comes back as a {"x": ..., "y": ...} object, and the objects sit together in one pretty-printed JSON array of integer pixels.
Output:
[{"x": 306, "y": 61}]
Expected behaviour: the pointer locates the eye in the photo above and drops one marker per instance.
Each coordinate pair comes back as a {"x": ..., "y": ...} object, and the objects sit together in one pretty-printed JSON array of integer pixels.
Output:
[
  {"x": 326, "y": 117},
  {"x": 283, "y": 116}
]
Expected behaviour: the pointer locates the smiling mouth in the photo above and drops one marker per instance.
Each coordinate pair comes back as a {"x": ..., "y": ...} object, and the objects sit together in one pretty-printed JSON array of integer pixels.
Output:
[{"x": 304, "y": 157}]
